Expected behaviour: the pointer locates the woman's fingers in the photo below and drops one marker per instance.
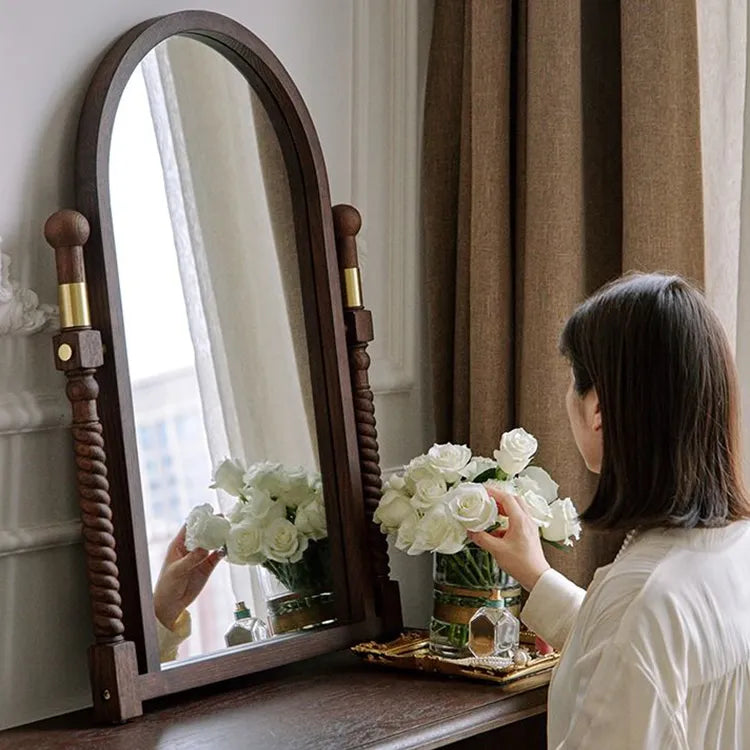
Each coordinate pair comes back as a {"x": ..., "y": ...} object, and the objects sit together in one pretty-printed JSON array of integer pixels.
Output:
[
  {"x": 208, "y": 565},
  {"x": 176, "y": 548},
  {"x": 486, "y": 541},
  {"x": 508, "y": 504},
  {"x": 192, "y": 560}
]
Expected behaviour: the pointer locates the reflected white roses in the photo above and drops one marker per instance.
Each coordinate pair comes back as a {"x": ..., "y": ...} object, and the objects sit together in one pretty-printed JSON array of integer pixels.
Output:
[
  {"x": 279, "y": 512},
  {"x": 441, "y": 495}
]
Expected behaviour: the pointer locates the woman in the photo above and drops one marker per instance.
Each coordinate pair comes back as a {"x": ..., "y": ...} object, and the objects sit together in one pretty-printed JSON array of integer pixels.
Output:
[{"x": 657, "y": 651}]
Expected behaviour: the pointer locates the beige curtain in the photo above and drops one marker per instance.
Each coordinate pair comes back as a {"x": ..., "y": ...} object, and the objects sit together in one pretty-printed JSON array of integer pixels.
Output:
[
  {"x": 276, "y": 182},
  {"x": 561, "y": 148}
]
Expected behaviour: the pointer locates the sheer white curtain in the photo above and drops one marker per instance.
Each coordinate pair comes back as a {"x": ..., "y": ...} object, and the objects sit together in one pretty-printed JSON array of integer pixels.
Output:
[{"x": 234, "y": 238}]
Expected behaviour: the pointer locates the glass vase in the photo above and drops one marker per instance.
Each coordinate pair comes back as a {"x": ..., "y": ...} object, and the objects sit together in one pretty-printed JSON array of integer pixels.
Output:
[
  {"x": 299, "y": 596},
  {"x": 462, "y": 584}
]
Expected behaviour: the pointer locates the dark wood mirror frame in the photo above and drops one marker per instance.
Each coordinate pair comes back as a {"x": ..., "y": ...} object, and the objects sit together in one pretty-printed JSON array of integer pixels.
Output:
[{"x": 90, "y": 349}]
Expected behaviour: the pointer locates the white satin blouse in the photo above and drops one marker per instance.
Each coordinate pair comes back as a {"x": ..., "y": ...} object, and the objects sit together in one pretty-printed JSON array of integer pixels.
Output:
[{"x": 657, "y": 651}]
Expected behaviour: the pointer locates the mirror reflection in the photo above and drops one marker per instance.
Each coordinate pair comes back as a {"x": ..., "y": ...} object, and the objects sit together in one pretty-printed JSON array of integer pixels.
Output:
[{"x": 217, "y": 355}]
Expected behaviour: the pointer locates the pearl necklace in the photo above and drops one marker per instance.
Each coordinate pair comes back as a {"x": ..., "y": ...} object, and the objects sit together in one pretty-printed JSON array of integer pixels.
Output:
[{"x": 629, "y": 537}]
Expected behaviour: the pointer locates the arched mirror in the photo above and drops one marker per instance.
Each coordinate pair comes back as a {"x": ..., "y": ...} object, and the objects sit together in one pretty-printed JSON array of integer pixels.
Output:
[
  {"x": 241, "y": 476},
  {"x": 194, "y": 158}
]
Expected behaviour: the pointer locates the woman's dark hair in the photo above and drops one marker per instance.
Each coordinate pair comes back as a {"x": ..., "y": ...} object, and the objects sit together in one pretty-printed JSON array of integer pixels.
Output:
[{"x": 667, "y": 387}]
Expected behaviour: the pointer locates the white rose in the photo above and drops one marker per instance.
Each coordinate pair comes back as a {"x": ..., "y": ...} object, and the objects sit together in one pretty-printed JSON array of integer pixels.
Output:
[
  {"x": 266, "y": 476},
  {"x": 204, "y": 529},
  {"x": 449, "y": 460},
  {"x": 260, "y": 507},
  {"x": 229, "y": 477},
  {"x": 392, "y": 509},
  {"x": 244, "y": 543},
  {"x": 395, "y": 482},
  {"x": 478, "y": 465},
  {"x": 537, "y": 480},
  {"x": 311, "y": 519},
  {"x": 239, "y": 512},
  {"x": 438, "y": 531},
  {"x": 516, "y": 449},
  {"x": 282, "y": 541},
  {"x": 407, "y": 530},
  {"x": 537, "y": 507},
  {"x": 316, "y": 483},
  {"x": 471, "y": 505},
  {"x": 299, "y": 488},
  {"x": 564, "y": 523},
  {"x": 419, "y": 468},
  {"x": 428, "y": 493}
]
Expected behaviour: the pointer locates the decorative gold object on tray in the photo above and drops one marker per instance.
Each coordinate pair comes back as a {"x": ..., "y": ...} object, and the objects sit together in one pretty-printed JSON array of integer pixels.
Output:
[{"x": 410, "y": 651}]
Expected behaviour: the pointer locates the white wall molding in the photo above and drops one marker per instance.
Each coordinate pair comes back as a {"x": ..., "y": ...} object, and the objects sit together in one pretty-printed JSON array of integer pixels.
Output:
[
  {"x": 384, "y": 159},
  {"x": 21, "y": 313},
  {"x": 35, "y": 538},
  {"x": 25, "y": 411}
]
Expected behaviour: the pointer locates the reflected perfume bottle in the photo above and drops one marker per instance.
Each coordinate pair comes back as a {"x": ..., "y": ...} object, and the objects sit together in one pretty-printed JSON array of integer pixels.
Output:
[
  {"x": 494, "y": 632},
  {"x": 245, "y": 628}
]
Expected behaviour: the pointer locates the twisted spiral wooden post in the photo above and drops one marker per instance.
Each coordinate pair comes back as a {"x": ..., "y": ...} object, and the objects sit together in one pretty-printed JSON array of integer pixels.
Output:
[
  {"x": 78, "y": 353},
  {"x": 93, "y": 491},
  {"x": 347, "y": 223}
]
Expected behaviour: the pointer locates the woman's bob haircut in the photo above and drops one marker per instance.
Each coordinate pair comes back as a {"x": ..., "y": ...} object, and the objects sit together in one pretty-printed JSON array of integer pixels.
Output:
[{"x": 662, "y": 369}]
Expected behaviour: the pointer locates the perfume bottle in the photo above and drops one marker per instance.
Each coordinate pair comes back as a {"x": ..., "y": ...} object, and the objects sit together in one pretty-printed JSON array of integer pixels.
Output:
[
  {"x": 245, "y": 628},
  {"x": 494, "y": 632}
]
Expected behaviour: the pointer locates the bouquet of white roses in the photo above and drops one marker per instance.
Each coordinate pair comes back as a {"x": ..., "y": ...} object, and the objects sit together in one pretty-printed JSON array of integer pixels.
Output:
[
  {"x": 441, "y": 495},
  {"x": 278, "y": 522}
]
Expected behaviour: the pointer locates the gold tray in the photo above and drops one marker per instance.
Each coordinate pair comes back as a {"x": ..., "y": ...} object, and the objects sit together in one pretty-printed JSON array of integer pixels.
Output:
[{"x": 410, "y": 651}]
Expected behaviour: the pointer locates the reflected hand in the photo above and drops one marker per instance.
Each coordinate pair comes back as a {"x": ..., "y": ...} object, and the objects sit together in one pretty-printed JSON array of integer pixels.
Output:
[
  {"x": 183, "y": 576},
  {"x": 517, "y": 549}
]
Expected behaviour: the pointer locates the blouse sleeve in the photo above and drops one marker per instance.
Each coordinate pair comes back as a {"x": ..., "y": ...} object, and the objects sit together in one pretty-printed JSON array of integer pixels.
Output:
[
  {"x": 552, "y": 607},
  {"x": 170, "y": 640},
  {"x": 620, "y": 706}
]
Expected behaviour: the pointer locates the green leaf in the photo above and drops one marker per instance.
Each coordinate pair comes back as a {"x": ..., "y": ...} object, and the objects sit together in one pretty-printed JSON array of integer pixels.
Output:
[{"x": 485, "y": 475}]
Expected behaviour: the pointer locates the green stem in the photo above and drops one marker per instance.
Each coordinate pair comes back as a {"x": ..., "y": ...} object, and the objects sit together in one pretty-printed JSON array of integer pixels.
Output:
[
  {"x": 489, "y": 567},
  {"x": 459, "y": 573},
  {"x": 480, "y": 578}
]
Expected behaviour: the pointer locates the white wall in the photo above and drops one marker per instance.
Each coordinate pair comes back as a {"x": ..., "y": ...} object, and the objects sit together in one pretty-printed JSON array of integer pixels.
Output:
[{"x": 359, "y": 66}]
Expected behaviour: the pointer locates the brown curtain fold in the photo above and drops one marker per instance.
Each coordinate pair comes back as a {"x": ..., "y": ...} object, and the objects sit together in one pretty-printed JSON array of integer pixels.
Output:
[{"x": 561, "y": 148}]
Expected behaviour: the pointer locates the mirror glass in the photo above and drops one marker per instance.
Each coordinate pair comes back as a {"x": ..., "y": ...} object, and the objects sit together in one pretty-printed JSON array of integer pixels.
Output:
[{"x": 217, "y": 355}]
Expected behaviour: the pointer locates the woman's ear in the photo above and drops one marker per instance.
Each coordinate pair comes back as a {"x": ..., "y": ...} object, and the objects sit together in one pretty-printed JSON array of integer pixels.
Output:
[{"x": 596, "y": 412}]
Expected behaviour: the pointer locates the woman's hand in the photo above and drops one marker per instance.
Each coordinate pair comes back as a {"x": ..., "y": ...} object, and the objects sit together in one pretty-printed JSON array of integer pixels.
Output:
[
  {"x": 183, "y": 576},
  {"x": 517, "y": 549}
]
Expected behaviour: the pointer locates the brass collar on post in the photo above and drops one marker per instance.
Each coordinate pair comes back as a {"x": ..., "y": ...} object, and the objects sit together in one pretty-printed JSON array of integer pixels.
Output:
[
  {"x": 352, "y": 287},
  {"x": 74, "y": 305}
]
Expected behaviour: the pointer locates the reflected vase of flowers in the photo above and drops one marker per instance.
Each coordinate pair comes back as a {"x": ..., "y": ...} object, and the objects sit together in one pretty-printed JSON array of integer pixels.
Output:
[{"x": 279, "y": 525}]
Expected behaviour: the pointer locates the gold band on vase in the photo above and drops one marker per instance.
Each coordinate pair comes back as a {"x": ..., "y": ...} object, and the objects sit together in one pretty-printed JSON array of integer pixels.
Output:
[
  {"x": 492, "y": 594},
  {"x": 352, "y": 287},
  {"x": 302, "y": 618},
  {"x": 461, "y": 614},
  {"x": 74, "y": 305}
]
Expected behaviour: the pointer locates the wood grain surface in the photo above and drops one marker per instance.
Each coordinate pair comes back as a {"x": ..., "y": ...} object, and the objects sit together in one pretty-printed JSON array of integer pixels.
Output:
[{"x": 334, "y": 702}]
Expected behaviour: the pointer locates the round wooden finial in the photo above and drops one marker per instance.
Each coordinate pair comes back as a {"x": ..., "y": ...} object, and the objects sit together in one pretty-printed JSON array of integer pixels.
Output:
[
  {"x": 66, "y": 228},
  {"x": 346, "y": 220}
]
